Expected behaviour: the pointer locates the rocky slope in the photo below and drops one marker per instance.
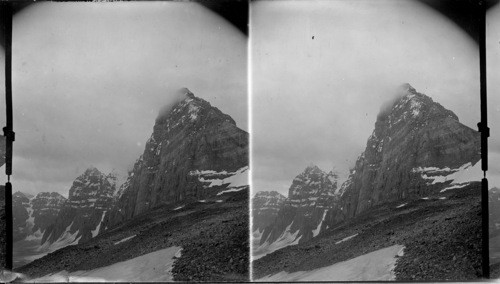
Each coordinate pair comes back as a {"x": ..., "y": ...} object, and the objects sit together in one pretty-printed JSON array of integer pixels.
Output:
[
  {"x": 213, "y": 235},
  {"x": 415, "y": 145},
  {"x": 494, "y": 209},
  {"x": 194, "y": 152},
  {"x": 80, "y": 218},
  {"x": 302, "y": 216},
  {"x": 494, "y": 231},
  {"x": 32, "y": 215}
]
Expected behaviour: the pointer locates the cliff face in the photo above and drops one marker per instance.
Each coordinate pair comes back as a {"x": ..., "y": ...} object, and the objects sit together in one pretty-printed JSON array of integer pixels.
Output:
[
  {"x": 194, "y": 152},
  {"x": 302, "y": 215},
  {"x": 90, "y": 197},
  {"x": 415, "y": 140}
]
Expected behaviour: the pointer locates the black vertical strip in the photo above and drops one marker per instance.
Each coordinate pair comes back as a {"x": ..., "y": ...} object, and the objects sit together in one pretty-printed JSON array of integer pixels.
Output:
[
  {"x": 485, "y": 228},
  {"x": 8, "y": 132},
  {"x": 483, "y": 128},
  {"x": 8, "y": 226}
]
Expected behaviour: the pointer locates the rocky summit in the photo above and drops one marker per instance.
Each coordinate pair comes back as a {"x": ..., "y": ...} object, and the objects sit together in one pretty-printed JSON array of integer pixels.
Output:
[
  {"x": 195, "y": 152},
  {"x": 415, "y": 144},
  {"x": 301, "y": 216},
  {"x": 90, "y": 197},
  {"x": 33, "y": 215}
]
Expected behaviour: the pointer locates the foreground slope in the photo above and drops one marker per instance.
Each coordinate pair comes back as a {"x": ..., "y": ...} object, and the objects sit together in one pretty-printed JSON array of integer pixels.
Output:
[{"x": 213, "y": 236}]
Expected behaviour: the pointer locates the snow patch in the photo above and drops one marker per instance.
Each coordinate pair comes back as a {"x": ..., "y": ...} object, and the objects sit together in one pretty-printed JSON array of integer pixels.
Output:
[
  {"x": 180, "y": 207},
  {"x": 234, "y": 179},
  {"x": 318, "y": 229},
  {"x": 125, "y": 239},
  {"x": 463, "y": 174},
  {"x": 95, "y": 232},
  {"x": 454, "y": 187},
  {"x": 404, "y": 204},
  {"x": 232, "y": 190},
  {"x": 346, "y": 239},
  {"x": 151, "y": 267},
  {"x": 374, "y": 266}
]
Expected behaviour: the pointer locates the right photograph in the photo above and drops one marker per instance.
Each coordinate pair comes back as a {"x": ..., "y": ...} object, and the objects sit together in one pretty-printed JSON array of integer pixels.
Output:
[{"x": 365, "y": 150}]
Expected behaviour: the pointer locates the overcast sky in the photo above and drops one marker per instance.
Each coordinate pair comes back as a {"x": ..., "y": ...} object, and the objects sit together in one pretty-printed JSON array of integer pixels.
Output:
[
  {"x": 90, "y": 78},
  {"x": 493, "y": 71},
  {"x": 321, "y": 70}
]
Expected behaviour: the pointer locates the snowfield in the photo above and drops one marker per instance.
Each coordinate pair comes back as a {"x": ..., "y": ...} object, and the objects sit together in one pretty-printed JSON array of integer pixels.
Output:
[
  {"x": 151, "y": 267},
  {"x": 459, "y": 177},
  {"x": 375, "y": 266},
  {"x": 235, "y": 181}
]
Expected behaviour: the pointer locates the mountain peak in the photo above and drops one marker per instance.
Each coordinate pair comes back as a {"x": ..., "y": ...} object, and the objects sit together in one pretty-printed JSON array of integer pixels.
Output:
[
  {"x": 312, "y": 168},
  {"x": 187, "y": 93},
  {"x": 92, "y": 171}
]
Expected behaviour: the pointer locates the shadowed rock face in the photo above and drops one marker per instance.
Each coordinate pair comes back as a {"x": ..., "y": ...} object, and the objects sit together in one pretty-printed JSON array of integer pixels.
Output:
[
  {"x": 310, "y": 196},
  {"x": 90, "y": 197},
  {"x": 494, "y": 210},
  {"x": 265, "y": 207},
  {"x": 20, "y": 214},
  {"x": 192, "y": 143},
  {"x": 32, "y": 215},
  {"x": 416, "y": 132}
]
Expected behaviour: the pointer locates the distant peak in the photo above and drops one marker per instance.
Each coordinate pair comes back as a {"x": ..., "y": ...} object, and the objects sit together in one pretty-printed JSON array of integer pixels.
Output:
[
  {"x": 92, "y": 171},
  {"x": 311, "y": 167}
]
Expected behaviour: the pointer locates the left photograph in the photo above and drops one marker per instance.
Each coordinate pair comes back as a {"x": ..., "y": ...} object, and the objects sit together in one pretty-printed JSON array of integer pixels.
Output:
[{"x": 131, "y": 154}]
